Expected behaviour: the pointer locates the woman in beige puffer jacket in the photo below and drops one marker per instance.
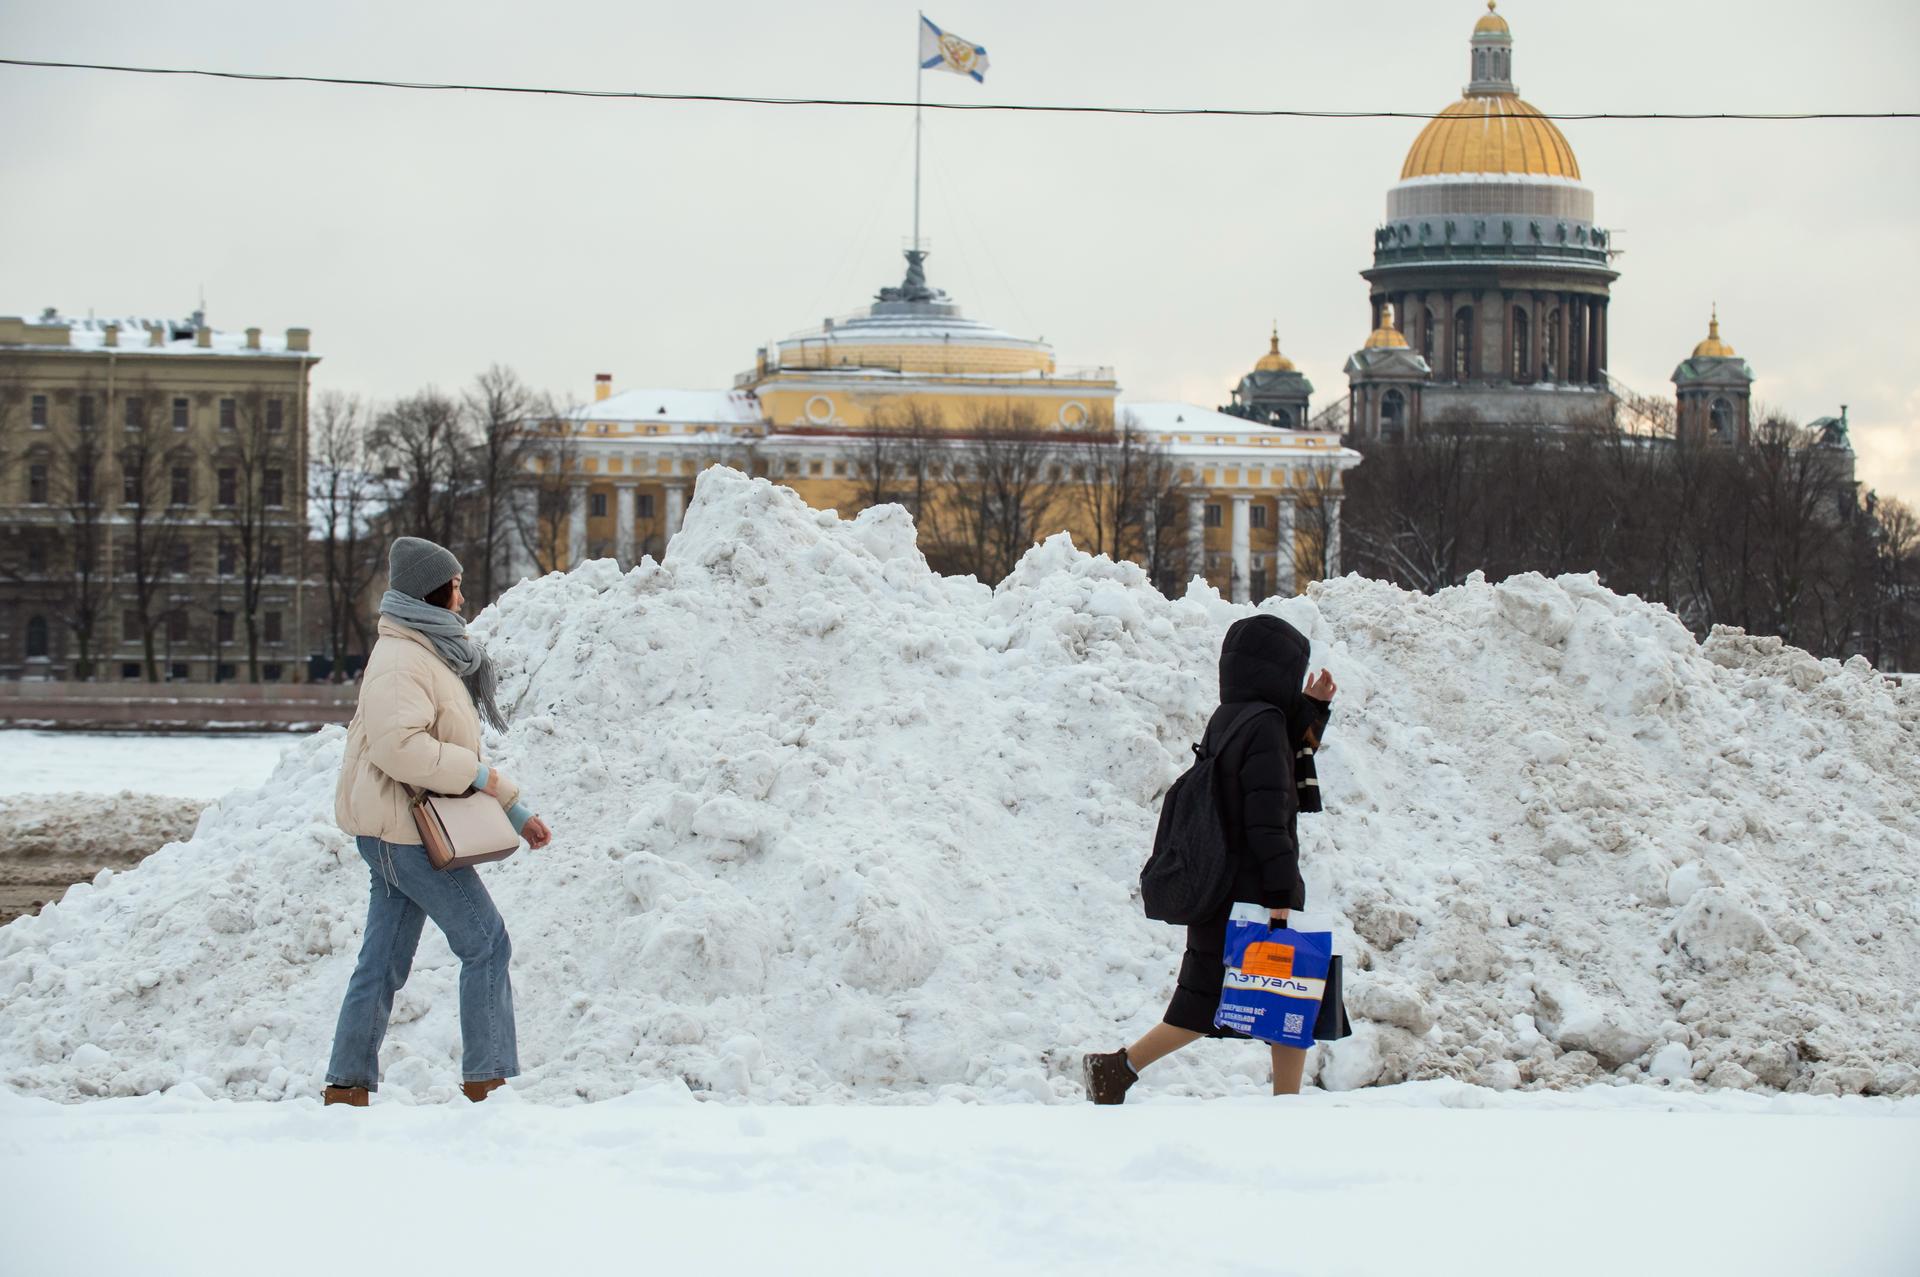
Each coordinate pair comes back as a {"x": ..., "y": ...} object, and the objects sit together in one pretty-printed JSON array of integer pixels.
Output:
[{"x": 417, "y": 727}]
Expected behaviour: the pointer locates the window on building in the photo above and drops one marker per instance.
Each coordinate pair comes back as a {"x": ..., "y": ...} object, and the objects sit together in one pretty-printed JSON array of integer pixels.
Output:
[
  {"x": 270, "y": 562},
  {"x": 36, "y": 636},
  {"x": 223, "y": 627},
  {"x": 1261, "y": 587},
  {"x": 37, "y": 483},
  {"x": 840, "y": 468},
  {"x": 270, "y": 672},
  {"x": 1522, "y": 345},
  {"x": 180, "y": 411},
  {"x": 272, "y": 492},
  {"x": 229, "y": 414},
  {"x": 646, "y": 505},
  {"x": 597, "y": 505},
  {"x": 1550, "y": 355},
  {"x": 229, "y": 486},
  {"x": 270, "y": 626},
  {"x": 129, "y": 626},
  {"x": 813, "y": 467},
  {"x": 136, "y": 409},
  {"x": 83, "y": 411},
  {"x": 37, "y": 412},
  {"x": 1257, "y": 517},
  {"x": 1213, "y": 516},
  {"x": 130, "y": 670},
  {"x": 180, "y": 486},
  {"x": 1393, "y": 416},
  {"x": 276, "y": 414},
  {"x": 1463, "y": 343},
  {"x": 1720, "y": 421},
  {"x": 223, "y": 672},
  {"x": 229, "y": 557},
  {"x": 179, "y": 557},
  {"x": 1426, "y": 335},
  {"x": 176, "y": 626},
  {"x": 131, "y": 489},
  {"x": 178, "y": 672}
]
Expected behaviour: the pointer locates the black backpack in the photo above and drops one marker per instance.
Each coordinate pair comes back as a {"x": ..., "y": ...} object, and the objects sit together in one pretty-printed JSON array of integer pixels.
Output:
[{"x": 1191, "y": 869}]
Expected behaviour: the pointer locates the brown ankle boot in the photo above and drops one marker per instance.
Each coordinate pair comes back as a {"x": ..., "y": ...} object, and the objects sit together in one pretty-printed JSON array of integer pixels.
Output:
[
  {"x": 353, "y": 1096},
  {"x": 1108, "y": 1077},
  {"x": 477, "y": 1091}
]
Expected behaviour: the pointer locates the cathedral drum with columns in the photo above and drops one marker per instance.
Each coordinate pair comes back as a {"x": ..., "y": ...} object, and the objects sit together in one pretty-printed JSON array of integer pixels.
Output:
[{"x": 1489, "y": 269}]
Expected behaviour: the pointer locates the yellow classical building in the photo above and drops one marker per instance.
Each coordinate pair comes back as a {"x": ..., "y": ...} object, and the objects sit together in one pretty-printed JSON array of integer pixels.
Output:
[{"x": 913, "y": 401}]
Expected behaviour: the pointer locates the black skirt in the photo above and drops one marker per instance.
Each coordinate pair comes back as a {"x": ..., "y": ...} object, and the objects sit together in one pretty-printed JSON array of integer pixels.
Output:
[{"x": 1203, "y": 972}]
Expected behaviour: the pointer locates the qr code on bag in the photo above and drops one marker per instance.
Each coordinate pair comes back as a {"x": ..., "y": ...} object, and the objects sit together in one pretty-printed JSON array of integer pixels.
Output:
[{"x": 1294, "y": 1023}]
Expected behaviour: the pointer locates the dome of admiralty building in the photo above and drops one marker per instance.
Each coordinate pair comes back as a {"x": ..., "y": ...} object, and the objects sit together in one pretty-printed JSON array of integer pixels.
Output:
[{"x": 1491, "y": 258}]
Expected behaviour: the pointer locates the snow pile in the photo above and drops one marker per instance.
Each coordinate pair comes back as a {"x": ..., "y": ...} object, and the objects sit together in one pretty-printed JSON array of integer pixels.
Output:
[{"x": 831, "y": 826}]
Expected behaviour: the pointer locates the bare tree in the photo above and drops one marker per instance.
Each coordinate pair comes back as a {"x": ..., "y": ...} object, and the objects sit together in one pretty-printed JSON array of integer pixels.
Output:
[
  {"x": 498, "y": 406},
  {"x": 423, "y": 437},
  {"x": 252, "y": 474},
  {"x": 553, "y": 454},
  {"x": 87, "y": 585},
  {"x": 877, "y": 469},
  {"x": 1118, "y": 478},
  {"x": 153, "y": 510},
  {"x": 1009, "y": 475},
  {"x": 345, "y": 495}
]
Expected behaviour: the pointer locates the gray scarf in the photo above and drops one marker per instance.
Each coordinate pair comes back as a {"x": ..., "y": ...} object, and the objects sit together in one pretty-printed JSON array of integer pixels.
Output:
[{"x": 448, "y": 634}]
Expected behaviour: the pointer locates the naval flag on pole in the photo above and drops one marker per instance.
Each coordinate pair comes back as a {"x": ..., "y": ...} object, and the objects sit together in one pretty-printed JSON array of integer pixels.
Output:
[{"x": 949, "y": 52}]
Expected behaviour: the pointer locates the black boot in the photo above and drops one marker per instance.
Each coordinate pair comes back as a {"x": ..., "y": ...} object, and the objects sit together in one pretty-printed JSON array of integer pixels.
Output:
[{"x": 1108, "y": 1077}]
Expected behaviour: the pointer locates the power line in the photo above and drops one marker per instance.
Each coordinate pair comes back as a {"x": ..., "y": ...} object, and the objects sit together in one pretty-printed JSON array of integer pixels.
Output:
[{"x": 1036, "y": 108}]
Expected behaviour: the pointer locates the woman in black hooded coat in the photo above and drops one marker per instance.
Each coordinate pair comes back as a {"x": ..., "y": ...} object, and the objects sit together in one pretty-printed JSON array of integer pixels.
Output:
[{"x": 1262, "y": 661}]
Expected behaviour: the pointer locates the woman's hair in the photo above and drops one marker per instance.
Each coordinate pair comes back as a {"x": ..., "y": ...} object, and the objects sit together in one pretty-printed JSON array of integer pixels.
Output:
[{"x": 442, "y": 596}]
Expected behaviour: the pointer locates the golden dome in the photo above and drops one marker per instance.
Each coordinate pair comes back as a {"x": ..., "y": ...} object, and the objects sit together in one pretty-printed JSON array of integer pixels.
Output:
[
  {"x": 1491, "y": 133},
  {"x": 1386, "y": 336},
  {"x": 1273, "y": 360},
  {"x": 1492, "y": 22},
  {"x": 1713, "y": 347}
]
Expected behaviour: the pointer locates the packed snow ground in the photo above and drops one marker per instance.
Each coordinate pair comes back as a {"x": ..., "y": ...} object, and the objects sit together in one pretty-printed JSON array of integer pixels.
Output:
[
  {"x": 1431, "y": 1178},
  {"x": 181, "y": 765},
  {"x": 831, "y": 826}
]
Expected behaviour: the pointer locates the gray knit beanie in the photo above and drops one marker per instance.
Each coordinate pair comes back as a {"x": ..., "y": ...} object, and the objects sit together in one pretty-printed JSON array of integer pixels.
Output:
[{"x": 417, "y": 567}]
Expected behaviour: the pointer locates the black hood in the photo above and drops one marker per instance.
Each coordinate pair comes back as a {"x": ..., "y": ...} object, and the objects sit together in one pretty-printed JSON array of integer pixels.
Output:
[{"x": 1263, "y": 659}]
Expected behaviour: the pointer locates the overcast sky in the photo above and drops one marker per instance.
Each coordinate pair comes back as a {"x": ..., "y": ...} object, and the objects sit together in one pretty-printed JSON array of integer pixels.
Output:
[{"x": 424, "y": 236}]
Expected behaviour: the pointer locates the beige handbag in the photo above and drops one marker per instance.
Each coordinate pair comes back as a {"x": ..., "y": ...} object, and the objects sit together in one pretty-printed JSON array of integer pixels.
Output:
[{"x": 459, "y": 830}]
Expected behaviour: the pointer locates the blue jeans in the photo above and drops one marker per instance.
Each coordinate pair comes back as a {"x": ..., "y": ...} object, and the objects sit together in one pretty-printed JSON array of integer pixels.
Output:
[{"x": 407, "y": 890}]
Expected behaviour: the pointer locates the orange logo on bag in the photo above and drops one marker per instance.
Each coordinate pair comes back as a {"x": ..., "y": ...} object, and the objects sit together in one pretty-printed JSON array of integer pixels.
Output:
[{"x": 1265, "y": 957}]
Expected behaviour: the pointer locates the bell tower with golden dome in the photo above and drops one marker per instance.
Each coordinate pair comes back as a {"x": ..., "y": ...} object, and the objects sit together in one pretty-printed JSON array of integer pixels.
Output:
[
  {"x": 1713, "y": 393},
  {"x": 1491, "y": 259},
  {"x": 1275, "y": 393}
]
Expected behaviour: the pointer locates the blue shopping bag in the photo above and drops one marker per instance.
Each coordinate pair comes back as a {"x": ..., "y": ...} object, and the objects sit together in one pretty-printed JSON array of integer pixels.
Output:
[{"x": 1276, "y": 977}]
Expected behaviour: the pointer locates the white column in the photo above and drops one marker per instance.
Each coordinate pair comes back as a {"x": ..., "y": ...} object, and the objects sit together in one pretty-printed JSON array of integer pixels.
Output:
[
  {"x": 676, "y": 507},
  {"x": 1283, "y": 580},
  {"x": 623, "y": 494},
  {"x": 576, "y": 526},
  {"x": 1241, "y": 585},
  {"x": 1196, "y": 534},
  {"x": 1333, "y": 536}
]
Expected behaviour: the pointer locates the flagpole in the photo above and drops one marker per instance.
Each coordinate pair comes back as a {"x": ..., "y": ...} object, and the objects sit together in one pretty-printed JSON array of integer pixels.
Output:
[{"x": 919, "y": 75}]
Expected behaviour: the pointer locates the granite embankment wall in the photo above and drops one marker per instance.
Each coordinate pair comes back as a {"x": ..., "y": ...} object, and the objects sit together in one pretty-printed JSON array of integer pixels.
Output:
[{"x": 185, "y": 707}]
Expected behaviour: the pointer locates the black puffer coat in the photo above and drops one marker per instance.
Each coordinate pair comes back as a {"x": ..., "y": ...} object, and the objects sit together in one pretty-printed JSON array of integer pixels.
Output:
[{"x": 1263, "y": 660}]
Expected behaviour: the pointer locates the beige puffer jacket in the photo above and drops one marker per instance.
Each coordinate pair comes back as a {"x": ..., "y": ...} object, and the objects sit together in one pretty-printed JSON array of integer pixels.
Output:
[{"x": 415, "y": 725}]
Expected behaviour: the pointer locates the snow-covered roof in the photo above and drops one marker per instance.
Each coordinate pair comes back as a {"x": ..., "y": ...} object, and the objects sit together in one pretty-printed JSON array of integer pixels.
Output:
[
  {"x": 698, "y": 407},
  {"x": 1193, "y": 431},
  {"x": 1186, "y": 418},
  {"x": 136, "y": 336}
]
